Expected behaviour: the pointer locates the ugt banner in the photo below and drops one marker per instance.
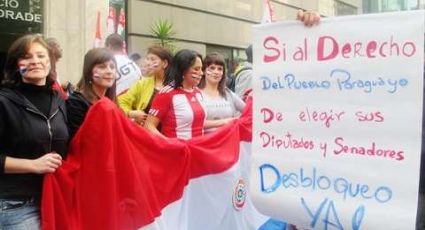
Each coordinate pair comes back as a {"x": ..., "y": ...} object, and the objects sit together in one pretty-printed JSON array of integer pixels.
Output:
[{"x": 337, "y": 121}]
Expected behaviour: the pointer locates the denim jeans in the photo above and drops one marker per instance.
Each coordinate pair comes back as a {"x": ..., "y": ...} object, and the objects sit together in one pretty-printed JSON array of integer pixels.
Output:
[{"x": 19, "y": 215}]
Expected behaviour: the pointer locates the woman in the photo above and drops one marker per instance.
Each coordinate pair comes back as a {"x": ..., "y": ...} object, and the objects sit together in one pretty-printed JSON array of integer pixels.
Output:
[
  {"x": 33, "y": 131},
  {"x": 178, "y": 108},
  {"x": 219, "y": 101},
  {"x": 137, "y": 100},
  {"x": 97, "y": 81}
]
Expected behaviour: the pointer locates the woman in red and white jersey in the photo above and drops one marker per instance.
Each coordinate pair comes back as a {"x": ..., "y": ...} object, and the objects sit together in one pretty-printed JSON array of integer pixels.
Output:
[{"x": 178, "y": 106}]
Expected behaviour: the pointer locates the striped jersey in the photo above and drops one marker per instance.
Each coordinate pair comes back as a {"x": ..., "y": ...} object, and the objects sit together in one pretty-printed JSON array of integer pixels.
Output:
[{"x": 181, "y": 113}]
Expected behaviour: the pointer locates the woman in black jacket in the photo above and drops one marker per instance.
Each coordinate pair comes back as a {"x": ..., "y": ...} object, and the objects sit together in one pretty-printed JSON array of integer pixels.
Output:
[{"x": 33, "y": 131}]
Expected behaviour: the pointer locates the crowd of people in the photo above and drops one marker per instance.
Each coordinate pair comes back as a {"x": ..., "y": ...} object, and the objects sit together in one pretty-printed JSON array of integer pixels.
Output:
[
  {"x": 177, "y": 96},
  {"x": 38, "y": 118}
]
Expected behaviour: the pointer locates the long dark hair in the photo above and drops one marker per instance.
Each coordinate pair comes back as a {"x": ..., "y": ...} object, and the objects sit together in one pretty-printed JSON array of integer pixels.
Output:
[
  {"x": 19, "y": 48},
  {"x": 214, "y": 58},
  {"x": 180, "y": 64},
  {"x": 93, "y": 57}
]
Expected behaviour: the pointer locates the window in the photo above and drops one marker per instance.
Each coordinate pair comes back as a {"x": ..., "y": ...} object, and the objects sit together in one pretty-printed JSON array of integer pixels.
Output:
[
  {"x": 373, "y": 6},
  {"x": 342, "y": 8},
  {"x": 394, "y": 5}
]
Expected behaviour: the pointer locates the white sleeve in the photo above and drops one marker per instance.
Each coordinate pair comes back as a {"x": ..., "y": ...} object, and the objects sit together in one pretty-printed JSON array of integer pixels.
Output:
[
  {"x": 238, "y": 103},
  {"x": 243, "y": 82}
]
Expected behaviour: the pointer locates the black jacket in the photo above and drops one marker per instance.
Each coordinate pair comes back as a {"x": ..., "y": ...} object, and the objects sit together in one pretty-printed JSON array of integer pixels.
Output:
[
  {"x": 77, "y": 107},
  {"x": 25, "y": 132}
]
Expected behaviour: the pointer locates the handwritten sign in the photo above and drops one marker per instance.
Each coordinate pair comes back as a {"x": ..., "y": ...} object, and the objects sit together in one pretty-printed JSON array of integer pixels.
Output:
[{"x": 337, "y": 121}]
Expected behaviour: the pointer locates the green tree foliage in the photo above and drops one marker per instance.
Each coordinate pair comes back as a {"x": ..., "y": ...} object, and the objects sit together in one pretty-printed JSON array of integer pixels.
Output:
[{"x": 163, "y": 31}]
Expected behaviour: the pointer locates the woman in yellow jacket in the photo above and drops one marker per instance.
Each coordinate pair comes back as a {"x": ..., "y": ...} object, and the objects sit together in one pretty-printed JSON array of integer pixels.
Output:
[{"x": 137, "y": 100}]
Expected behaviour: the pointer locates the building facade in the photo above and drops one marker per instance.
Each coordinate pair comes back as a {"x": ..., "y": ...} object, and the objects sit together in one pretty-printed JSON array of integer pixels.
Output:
[{"x": 219, "y": 25}]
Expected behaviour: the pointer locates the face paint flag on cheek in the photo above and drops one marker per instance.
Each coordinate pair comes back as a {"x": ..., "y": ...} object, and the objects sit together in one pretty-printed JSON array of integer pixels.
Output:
[
  {"x": 100, "y": 76},
  {"x": 97, "y": 76},
  {"x": 23, "y": 70},
  {"x": 196, "y": 77}
]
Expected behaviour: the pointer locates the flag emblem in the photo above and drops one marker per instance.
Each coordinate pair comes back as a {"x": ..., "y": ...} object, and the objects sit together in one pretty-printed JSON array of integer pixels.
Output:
[{"x": 239, "y": 195}]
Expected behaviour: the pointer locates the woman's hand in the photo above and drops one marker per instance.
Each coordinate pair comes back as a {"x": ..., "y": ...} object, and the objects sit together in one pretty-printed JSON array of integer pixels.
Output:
[
  {"x": 308, "y": 18},
  {"x": 218, "y": 123},
  {"x": 48, "y": 163},
  {"x": 139, "y": 116},
  {"x": 226, "y": 121},
  {"x": 151, "y": 125}
]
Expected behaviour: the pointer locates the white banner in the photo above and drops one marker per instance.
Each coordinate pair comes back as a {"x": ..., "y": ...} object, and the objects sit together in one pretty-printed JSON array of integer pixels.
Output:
[{"x": 337, "y": 121}]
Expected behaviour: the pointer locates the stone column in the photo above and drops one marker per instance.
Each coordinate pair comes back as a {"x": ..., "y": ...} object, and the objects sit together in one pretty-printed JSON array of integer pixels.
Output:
[{"x": 73, "y": 24}]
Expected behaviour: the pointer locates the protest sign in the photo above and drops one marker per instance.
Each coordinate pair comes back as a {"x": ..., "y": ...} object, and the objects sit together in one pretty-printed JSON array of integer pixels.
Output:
[{"x": 337, "y": 121}]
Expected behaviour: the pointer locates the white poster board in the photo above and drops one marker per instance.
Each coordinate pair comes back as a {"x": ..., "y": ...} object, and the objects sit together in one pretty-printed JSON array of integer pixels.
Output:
[{"x": 337, "y": 121}]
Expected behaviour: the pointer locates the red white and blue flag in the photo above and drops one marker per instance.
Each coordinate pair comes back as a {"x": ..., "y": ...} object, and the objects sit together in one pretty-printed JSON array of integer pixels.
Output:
[
  {"x": 118, "y": 176},
  {"x": 268, "y": 13},
  {"x": 98, "y": 34}
]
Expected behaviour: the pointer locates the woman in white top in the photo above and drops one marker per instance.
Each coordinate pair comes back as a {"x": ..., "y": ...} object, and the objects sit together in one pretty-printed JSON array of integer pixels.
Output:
[{"x": 219, "y": 101}]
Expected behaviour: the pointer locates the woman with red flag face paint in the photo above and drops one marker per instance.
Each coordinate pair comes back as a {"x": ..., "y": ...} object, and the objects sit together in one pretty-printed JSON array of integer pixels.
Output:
[
  {"x": 220, "y": 102},
  {"x": 33, "y": 131},
  {"x": 137, "y": 101},
  {"x": 97, "y": 81},
  {"x": 178, "y": 107}
]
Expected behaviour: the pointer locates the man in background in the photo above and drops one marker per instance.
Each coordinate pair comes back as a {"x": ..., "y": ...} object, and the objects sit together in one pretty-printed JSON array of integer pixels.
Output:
[
  {"x": 128, "y": 71},
  {"x": 244, "y": 74}
]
